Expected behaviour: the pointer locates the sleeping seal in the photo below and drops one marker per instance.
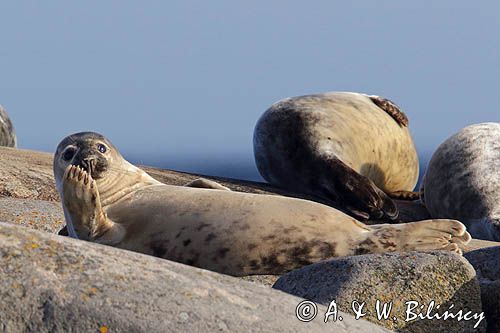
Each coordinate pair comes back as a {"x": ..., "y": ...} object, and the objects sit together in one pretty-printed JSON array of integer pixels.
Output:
[
  {"x": 462, "y": 180},
  {"x": 351, "y": 149}
]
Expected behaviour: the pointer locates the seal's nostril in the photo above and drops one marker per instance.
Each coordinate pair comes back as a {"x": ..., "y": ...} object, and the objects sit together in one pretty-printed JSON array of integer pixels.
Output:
[
  {"x": 85, "y": 164},
  {"x": 88, "y": 164}
]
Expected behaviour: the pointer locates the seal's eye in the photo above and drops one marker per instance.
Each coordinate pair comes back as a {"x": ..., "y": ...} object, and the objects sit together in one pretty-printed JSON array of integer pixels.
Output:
[
  {"x": 102, "y": 148},
  {"x": 69, "y": 153}
]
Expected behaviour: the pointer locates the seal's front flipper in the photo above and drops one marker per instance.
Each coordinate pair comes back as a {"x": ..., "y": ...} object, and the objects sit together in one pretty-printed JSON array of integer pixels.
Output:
[
  {"x": 82, "y": 203},
  {"x": 391, "y": 108},
  {"x": 405, "y": 195},
  {"x": 207, "y": 183},
  {"x": 356, "y": 193}
]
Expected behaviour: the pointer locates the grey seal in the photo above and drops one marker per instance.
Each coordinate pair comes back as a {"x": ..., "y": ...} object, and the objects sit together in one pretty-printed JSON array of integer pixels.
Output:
[
  {"x": 462, "y": 180},
  {"x": 351, "y": 149}
]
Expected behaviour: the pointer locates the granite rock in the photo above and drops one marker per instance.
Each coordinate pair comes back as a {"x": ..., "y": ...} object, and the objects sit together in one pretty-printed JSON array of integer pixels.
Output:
[
  {"x": 36, "y": 214},
  {"x": 486, "y": 262},
  {"x": 57, "y": 284},
  {"x": 396, "y": 279},
  {"x": 7, "y": 132}
]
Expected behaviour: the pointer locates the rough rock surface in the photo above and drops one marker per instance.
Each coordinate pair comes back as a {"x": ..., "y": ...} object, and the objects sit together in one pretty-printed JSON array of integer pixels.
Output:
[
  {"x": 486, "y": 262},
  {"x": 36, "y": 214},
  {"x": 443, "y": 277},
  {"x": 26, "y": 174},
  {"x": 7, "y": 133},
  {"x": 266, "y": 280},
  {"x": 57, "y": 284}
]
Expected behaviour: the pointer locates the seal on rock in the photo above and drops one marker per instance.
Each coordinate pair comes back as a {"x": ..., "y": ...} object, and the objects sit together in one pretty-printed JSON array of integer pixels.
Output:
[
  {"x": 462, "y": 180},
  {"x": 349, "y": 149},
  {"x": 7, "y": 133},
  {"x": 108, "y": 200}
]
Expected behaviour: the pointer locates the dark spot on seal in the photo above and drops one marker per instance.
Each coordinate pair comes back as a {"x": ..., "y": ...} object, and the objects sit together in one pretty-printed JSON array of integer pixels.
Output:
[
  {"x": 327, "y": 250},
  {"x": 289, "y": 229},
  {"x": 388, "y": 244},
  {"x": 222, "y": 252},
  {"x": 271, "y": 261},
  {"x": 210, "y": 236},
  {"x": 367, "y": 243},
  {"x": 201, "y": 226},
  {"x": 180, "y": 232},
  {"x": 269, "y": 237},
  {"x": 254, "y": 265},
  {"x": 299, "y": 255},
  {"x": 365, "y": 247},
  {"x": 186, "y": 242},
  {"x": 245, "y": 226},
  {"x": 194, "y": 260},
  {"x": 313, "y": 217},
  {"x": 361, "y": 250},
  {"x": 158, "y": 247}
]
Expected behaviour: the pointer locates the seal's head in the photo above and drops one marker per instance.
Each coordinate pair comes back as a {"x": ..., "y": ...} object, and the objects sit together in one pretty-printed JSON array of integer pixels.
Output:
[{"x": 91, "y": 151}]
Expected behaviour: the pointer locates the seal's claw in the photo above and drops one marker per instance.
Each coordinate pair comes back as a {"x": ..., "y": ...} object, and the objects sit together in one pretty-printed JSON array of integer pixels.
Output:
[{"x": 81, "y": 198}]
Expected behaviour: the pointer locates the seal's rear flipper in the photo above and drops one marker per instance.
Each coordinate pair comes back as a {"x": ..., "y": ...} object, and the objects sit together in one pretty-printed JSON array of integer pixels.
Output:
[
  {"x": 439, "y": 234},
  {"x": 356, "y": 193},
  {"x": 391, "y": 108}
]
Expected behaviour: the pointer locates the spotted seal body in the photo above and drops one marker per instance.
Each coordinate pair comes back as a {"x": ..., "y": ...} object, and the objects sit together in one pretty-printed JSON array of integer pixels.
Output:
[
  {"x": 462, "y": 180},
  {"x": 7, "y": 133},
  {"x": 108, "y": 200},
  {"x": 348, "y": 148}
]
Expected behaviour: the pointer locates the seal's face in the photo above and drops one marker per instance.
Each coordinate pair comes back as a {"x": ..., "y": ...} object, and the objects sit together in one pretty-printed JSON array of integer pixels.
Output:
[{"x": 88, "y": 150}]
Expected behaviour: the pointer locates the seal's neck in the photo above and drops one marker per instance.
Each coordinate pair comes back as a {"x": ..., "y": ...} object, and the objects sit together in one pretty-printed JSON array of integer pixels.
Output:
[{"x": 120, "y": 183}]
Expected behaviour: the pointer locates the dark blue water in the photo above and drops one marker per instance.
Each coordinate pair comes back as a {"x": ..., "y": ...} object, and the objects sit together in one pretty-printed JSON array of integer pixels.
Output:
[{"x": 230, "y": 167}]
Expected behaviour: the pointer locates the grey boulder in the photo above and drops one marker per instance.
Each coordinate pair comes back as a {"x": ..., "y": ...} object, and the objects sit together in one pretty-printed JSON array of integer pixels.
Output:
[
  {"x": 394, "y": 279},
  {"x": 7, "y": 133},
  {"x": 56, "y": 284},
  {"x": 486, "y": 262},
  {"x": 42, "y": 215}
]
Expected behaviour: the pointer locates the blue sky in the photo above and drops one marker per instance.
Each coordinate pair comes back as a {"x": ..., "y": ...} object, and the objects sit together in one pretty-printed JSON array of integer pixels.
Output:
[{"x": 181, "y": 84}]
